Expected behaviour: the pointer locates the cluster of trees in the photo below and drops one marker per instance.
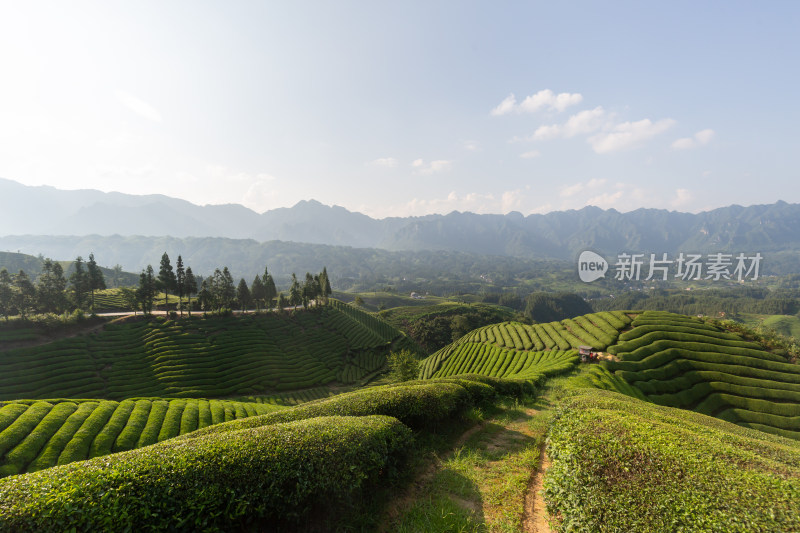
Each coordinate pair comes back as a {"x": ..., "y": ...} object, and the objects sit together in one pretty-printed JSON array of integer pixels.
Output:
[
  {"x": 219, "y": 292},
  {"x": 730, "y": 301},
  {"x": 52, "y": 292}
]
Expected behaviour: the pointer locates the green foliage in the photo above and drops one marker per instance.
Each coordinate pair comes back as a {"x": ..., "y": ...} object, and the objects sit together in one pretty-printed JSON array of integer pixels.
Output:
[
  {"x": 209, "y": 357},
  {"x": 403, "y": 366},
  {"x": 37, "y": 435},
  {"x": 683, "y": 362},
  {"x": 277, "y": 475},
  {"x": 620, "y": 464}
]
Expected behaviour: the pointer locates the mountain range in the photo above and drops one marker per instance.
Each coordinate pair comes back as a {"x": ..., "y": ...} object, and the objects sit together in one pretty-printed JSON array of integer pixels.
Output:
[{"x": 42, "y": 210}]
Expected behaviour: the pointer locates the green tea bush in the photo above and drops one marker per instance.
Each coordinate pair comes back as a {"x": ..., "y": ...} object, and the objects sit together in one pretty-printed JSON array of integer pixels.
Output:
[
  {"x": 276, "y": 475},
  {"x": 620, "y": 464}
]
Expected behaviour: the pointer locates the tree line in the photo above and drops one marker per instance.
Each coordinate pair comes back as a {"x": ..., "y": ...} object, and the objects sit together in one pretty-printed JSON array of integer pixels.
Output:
[
  {"x": 52, "y": 292},
  {"x": 218, "y": 292}
]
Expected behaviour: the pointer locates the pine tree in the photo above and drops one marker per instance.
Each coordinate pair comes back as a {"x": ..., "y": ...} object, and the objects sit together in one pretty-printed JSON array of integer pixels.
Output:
[
  {"x": 180, "y": 282},
  {"x": 243, "y": 295},
  {"x": 166, "y": 277},
  {"x": 258, "y": 292},
  {"x": 24, "y": 295},
  {"x": 79, "y": 281},
  {"x": 94, "y": 277},
  {"x": 271, "y": 292},
  {"x": 325, "y": 285},
  {"x": 50, "y": 287},
  {"x": 190, "y": 287},
  {"x": 147, "y": 289},
  {"x": 295, "y": 293}
]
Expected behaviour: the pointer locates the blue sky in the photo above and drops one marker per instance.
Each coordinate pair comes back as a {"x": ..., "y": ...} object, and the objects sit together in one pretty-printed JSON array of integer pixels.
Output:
[{"x": 406, "y": 108}]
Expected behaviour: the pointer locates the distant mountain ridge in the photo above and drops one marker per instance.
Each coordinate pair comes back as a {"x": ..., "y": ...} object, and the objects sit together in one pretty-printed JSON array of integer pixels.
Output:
[{"x": 562, "y": 235}]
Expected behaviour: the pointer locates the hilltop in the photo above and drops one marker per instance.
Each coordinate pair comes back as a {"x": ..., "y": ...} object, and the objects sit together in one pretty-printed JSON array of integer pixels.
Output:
[{"x": 556, "y": 235}]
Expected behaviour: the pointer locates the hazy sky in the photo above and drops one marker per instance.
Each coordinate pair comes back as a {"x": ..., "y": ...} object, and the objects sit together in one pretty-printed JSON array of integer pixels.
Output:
[{"x": 406, "y": 108}]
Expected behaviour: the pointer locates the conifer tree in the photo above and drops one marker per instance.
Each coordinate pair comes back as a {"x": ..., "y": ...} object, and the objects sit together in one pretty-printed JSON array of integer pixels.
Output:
[
  {"x": 271, "y": 292},
  {"x": 180, "y": 282},
  {"x": 295, "y": 293},
  {"x": 80, "y": 283},
  {"x": 190, "y": 287},
  {"x": 24, "y": 295},
  {"x": 243, "y": 295},
  {"x": 94, "y": 277},
  {"x": 258, "y": 292},
  {"x": 166, "y": 277},
  {"x": 50, "y": 287}
]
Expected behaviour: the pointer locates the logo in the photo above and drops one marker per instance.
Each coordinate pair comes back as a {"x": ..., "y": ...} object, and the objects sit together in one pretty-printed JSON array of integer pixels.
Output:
[{"x": 591, "y": 266}]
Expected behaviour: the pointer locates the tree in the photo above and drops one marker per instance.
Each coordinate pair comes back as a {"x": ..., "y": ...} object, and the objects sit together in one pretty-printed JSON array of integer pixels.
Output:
[
  {"x": 359, "y": 301},
  {"x": 6, "y": 292},
  {"x": 116, "y": 275},
  {"x": 180, "y": 282},
  {"x": 130, "y": 298},
  {"x": 258, "y": 292},
  {"x": 94, "y": 277},
  {"x": 459, "y": 325},
  {"x": 147, "y": 289},
  {"x": 270, "y": 289},
  {"x": 309, "y": 291},
  {"x": 79, "y": 281},
  {"x": 190, "y": 287},
  {"x": 227, "y": 290},
  {"x": 206, "y": 295},
  {"x": 243, "y": 295},
  {"x": 166, "y": 277},
  {"x": 295, "y": 293},
  {"x": 51, "y": 287},
  {"x": 24, "y": 293},
  {"x": 403, "y": 366},
  {"x": 324, "y": 285},
  {"x": 283, "y": 302}
]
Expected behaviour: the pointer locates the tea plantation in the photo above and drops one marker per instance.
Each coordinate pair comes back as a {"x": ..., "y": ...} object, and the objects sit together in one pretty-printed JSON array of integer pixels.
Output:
[
  {"x": 514, "y": 350},
  {"x": 204, "y": 357},
  {"x": 679, "y": 361},
  {"x": 153, "y": 455}
]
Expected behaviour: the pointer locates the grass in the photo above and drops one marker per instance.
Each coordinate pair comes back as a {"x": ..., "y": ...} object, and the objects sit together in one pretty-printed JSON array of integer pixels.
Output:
[{"x": 479, "y": 483}]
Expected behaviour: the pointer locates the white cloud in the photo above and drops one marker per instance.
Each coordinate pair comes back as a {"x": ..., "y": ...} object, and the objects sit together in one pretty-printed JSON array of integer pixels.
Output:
[
  {"x": 682, "y": 197},
  {"x": 434, "y": 167},
  {"x": 572, "y": 190},
  {"x": 530, "y": 154},
  {"x": 628, "y": 135},
  {"x": 606, "y": 200},
  {"x": 388, "y": 162},
  {"x": 547, "y": 99},
  {"x": 701, "y": 138},
  {"x": 472, "y": 146},
  {"x": 506, "y": 106},
  {"x": 544, "y": 99},
  {"x": 138, "y": 106},
  {"x": 581, "y": 123}
]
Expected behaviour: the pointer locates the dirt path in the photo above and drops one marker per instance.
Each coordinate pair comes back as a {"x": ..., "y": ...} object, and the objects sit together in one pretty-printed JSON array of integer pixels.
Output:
[{"x": 536, "y": 518}]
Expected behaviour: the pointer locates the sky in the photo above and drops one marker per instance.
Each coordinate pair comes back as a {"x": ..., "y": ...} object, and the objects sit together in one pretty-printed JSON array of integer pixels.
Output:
[{"x": 406, "y": 108}]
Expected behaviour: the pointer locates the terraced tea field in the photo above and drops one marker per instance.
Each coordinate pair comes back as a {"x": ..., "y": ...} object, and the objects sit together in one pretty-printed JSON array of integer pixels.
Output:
[
  {"x": 521, "y": 351},
  {"x": 39, "y": 434},
  {"x": 204, "y": 357},
  {"x": 679, "y": 361}
]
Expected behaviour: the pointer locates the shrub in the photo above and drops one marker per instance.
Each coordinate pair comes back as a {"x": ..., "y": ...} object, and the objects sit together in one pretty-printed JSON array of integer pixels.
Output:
[{"x": 278, "y": 475}]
